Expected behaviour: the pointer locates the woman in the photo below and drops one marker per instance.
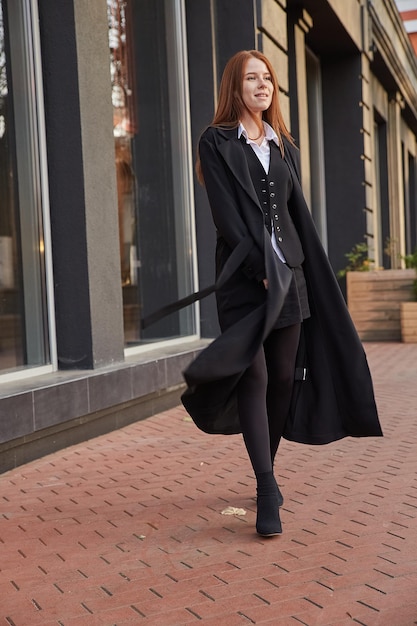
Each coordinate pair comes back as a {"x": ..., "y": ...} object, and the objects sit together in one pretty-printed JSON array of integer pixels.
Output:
[{"x": 245, "y": 381}]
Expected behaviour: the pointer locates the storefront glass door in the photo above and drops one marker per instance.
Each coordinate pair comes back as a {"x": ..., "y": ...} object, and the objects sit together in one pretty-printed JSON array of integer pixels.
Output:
[
  {"x": 23, "y": 304},
  {"x": 151, "y": 133}
]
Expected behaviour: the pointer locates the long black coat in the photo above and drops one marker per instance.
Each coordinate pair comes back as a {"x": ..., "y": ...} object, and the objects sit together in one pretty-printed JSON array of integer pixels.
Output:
[{"x": 333, "y": 394}]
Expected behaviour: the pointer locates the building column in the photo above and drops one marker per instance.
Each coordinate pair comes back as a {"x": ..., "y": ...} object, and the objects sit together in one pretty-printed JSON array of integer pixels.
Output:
[
  {"x": 372, "y": 222},
  {"x": 302, "y": 23},
  {"x": 82, "y": 183},
  {"x": 395, "y": 180}
]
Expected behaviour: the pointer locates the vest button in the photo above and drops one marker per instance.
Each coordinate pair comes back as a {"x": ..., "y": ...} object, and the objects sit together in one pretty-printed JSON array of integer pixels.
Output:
[
  {"x": 274, "y": 206},
  {"x": 272, "y": 183},
  {"x": 272, "y": 195},
  {"x": 279, "y": 238}
]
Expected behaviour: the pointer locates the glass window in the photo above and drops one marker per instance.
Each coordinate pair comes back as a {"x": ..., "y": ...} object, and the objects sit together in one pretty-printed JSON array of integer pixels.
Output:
[
  {"x": 411, "y": 205},
  {"x": 151, "y": 132},
  {"x": 23, "y": 313},
  {"x": 315, "y": 125},
  {"x": 383, "y": 249}
]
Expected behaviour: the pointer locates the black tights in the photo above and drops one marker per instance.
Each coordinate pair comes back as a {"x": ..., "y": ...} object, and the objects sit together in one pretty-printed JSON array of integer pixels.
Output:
[{"x": 264, "y": 396}]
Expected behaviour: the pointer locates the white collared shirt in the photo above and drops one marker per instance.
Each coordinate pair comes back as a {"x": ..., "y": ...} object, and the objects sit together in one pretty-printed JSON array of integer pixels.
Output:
[{"x": 263, "y": 153}]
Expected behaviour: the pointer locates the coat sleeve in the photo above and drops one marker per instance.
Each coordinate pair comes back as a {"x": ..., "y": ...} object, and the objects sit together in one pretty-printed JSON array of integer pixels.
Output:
[{"x": 225, "y": 209}]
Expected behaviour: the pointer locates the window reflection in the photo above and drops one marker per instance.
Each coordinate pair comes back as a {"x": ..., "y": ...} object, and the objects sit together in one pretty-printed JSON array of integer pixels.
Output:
[
  {"x": 150, "y": 133},
  {"x": 23, "y": 334},
  {"x": 11, "y": 353}
]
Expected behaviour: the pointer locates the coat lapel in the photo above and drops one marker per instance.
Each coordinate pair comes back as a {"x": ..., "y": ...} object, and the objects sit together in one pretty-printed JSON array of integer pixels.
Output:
[{"x": 234, "y": 155}]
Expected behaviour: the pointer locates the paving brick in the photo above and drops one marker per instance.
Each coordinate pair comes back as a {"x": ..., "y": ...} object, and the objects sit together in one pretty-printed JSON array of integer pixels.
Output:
[{"x": 127, "y": 528}]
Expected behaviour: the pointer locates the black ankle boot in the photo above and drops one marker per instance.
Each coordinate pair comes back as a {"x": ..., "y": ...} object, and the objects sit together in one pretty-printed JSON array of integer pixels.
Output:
[
  {"x": 268, "y": 522},
  {"x": 279, "y": 496}
]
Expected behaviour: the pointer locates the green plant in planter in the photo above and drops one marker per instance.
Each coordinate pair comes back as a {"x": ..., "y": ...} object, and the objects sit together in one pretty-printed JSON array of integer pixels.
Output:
[
  {"x": 358, "y": 260},
  {"x": 411, "y": 263}
]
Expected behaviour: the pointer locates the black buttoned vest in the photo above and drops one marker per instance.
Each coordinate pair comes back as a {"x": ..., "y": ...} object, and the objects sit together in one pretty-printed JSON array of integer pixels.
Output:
[{"x": 273, "y": 190}]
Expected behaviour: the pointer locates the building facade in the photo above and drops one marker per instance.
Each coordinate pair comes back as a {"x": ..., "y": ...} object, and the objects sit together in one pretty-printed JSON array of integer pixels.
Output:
[{"x": 102, "y": 222}]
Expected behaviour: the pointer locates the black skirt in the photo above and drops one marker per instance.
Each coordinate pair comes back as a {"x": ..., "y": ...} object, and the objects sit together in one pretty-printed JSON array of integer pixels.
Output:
[{"x": 296, "y": 307}]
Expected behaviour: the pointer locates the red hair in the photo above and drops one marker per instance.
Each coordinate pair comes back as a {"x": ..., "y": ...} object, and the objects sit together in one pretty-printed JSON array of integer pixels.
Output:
[{"x": 230, "y": 107}]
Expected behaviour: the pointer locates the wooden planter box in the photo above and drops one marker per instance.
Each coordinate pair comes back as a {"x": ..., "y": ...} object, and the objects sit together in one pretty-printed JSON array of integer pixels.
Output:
[
  {"x": 409, "y": 322},
  {"x": 374, "y": 300}
]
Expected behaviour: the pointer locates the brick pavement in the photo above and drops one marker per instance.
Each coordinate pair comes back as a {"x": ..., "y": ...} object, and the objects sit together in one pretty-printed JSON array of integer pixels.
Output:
[{"x": 128, "y": 528}]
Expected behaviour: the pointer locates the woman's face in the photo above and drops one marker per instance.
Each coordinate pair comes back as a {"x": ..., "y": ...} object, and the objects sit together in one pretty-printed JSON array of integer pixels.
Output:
[{"x": 257, "y": 88}]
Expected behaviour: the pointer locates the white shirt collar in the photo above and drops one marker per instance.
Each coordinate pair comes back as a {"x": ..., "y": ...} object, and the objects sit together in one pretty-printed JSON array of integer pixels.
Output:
[{"x": 270, "y": 134}]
